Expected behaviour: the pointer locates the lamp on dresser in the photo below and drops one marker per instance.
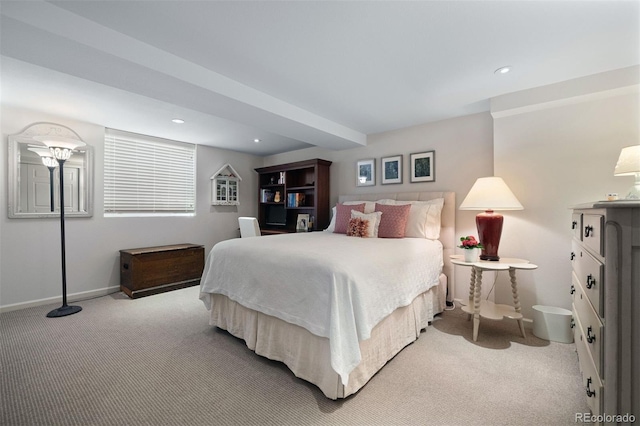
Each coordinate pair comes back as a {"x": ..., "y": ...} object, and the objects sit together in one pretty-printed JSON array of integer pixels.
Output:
[
  {"x": 61, "y": 148},
  {"x": 629, "y": 165},
  {"x": 489, "y": 194}
]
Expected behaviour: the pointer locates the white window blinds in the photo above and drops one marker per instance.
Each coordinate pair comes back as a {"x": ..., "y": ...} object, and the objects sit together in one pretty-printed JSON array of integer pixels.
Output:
[{"x": 148, "y": 175}]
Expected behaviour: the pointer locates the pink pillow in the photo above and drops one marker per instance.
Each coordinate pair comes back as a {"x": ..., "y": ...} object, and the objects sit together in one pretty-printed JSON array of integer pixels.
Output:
[
  {"x": 343, "y": 216},
  {"x": 393, "y": 220}
]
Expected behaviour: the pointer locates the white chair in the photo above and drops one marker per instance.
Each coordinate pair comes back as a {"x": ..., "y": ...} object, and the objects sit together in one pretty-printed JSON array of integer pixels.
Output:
[{"x": 249, "y": 227}]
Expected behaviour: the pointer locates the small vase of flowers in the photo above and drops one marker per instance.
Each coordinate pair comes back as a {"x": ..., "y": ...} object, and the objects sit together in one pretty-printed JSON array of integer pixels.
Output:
[{"x": 471, "y": 248}]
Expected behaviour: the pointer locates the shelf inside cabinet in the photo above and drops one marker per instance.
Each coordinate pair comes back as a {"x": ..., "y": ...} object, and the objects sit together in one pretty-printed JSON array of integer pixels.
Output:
[{"x": 300, "y": 188}]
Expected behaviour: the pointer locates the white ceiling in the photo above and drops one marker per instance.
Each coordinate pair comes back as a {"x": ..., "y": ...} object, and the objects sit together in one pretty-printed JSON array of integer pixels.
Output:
[{"x": 297, "y": 73}]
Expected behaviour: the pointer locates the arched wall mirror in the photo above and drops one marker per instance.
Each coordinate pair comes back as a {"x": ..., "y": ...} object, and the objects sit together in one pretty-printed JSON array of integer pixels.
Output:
[{"x": 29, "y": 180}]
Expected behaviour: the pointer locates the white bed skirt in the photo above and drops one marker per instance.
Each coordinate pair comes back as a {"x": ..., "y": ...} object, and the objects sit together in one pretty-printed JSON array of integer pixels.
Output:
[{"x": 308, "y": 356}]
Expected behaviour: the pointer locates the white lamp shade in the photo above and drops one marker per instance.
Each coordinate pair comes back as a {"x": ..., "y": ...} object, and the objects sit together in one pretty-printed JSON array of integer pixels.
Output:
[
  {"x": 61, "y": 148},
  {"x": 50, "y": 162},
  {"x": 629, "y": 161},
  {"x": 59, "y": 142},
  {"x": 41, "y": 151},
  {"x": 490, "y": 193},
  {"x": 45, "y": 155}
]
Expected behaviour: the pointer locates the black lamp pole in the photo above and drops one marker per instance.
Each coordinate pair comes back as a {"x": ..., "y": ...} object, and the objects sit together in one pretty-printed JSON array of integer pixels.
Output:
[
  {"x": 64, "y": 310},
  {"x": 51, "y": 189}
]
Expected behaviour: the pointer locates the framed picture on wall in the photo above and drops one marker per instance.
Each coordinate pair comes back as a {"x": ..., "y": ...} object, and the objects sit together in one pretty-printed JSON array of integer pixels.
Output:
[
  {"x": 391, "y": 168},
  {"x": 423, "y": 167},
  {"x": 366, "y": 172}
]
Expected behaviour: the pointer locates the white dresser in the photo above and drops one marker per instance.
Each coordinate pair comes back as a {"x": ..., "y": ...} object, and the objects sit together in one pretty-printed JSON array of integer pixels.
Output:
[{"x": 605, "y": 255}]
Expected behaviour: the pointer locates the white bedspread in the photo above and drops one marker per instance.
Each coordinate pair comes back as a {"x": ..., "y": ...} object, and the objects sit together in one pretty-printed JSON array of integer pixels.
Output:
[{"x": 335, "y": 286}]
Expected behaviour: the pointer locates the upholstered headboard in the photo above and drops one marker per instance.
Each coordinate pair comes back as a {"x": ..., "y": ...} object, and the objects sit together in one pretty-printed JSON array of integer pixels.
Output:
[{"x": 447, "y": 221}]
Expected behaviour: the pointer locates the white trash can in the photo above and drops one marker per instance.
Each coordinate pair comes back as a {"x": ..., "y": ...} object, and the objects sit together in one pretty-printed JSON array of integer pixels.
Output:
[{"x": 551, "y": 323}]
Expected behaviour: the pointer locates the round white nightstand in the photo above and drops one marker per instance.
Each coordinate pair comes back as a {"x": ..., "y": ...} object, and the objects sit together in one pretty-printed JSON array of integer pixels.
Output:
[{"x": 483, "y": 308}]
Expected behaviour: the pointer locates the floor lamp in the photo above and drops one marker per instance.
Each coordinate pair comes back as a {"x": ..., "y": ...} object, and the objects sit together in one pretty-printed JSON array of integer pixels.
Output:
[
  {"x": 51, "y": 163},
  {"x": 61, "y": 149}
]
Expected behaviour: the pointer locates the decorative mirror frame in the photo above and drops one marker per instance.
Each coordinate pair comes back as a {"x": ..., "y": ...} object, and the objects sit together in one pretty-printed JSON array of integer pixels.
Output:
[{"x": 26, "y": 137}]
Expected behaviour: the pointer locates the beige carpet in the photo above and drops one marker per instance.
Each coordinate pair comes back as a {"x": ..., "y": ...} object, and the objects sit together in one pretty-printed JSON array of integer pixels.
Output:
[{"x": 156, "y": 361}]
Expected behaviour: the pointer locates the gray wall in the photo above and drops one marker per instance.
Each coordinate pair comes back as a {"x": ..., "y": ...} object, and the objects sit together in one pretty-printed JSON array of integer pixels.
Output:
[
  {"x": 30, "y": 248},
  {"x": 555, "y": 152}
]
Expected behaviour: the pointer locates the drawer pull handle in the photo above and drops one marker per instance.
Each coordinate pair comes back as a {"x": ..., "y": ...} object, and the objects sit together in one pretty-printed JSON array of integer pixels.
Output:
[
  {"x": 590, "y": 336},
  {"x": 573, "y": 289},
  {"x": 573, "y": 323},
  {"x": 590, "y": 281},
  {"x": 573, "y": 255},
  {"x": 588, "y": 231},
  {"x": 574, "y": 224},
  {"x": 590, "y": 393},
  {"x": 125, "y": 266}
]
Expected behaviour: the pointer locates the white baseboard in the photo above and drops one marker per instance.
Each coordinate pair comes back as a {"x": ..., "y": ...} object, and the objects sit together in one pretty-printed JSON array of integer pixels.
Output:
[{"x": 75, "y": 297}]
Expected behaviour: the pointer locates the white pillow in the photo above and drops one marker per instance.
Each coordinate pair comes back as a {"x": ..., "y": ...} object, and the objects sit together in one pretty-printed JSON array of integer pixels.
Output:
[
  {"x": 374, "y": 221},
  {"x": 332, "y": 223},
  {"x": 424, "y": 218},
  {"x": 369, "y": 206}
]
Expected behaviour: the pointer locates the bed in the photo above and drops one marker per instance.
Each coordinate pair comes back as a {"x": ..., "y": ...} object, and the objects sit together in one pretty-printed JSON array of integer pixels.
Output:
[{"x": 335, "y": 308}]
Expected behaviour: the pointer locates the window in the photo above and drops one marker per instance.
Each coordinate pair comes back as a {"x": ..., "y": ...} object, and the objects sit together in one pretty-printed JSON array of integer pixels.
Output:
[{"x": 146, "y": 175}]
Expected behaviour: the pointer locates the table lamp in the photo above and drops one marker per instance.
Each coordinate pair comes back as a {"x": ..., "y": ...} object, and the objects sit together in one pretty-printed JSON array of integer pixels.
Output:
[
  {"x": 489, "y": 194},
  {"x": 629, "y": 165}
]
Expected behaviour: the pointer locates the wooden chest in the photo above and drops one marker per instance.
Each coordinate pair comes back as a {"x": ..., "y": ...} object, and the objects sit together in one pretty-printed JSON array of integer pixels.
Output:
[{"x": 151, "y": 270}]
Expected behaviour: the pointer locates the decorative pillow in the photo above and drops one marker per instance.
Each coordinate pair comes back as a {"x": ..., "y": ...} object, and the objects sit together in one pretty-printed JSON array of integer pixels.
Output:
[
  {"x": 357, "y": 227},
  {"x": 393, "y": 220},
  {"x": 360, "y": 220},
  {"x": 343, "y": 215},
  {"x": 424, "y": 218},
  {"x": 369, "y": 207}
]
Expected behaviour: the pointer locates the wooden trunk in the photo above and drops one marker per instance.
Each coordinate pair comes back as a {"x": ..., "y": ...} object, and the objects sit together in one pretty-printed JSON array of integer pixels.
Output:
[{"x": 151, "y": 270}]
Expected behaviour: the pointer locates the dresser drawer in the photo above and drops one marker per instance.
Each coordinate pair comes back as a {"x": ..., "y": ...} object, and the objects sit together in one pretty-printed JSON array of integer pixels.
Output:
[
  {"x": 592, "y": 226},
  {"x": 576, "y": 254},
  {"x": 592, "y": 329},
  {"x": 575, "y": 283},
  {"x": 576, "y": 225},
  {"x": 590, "y": 273},
  {"x": 591, "y": 382}
]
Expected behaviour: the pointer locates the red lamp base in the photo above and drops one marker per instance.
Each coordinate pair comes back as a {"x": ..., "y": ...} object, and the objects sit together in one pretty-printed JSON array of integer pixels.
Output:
[{"x": 489, "y": 226}]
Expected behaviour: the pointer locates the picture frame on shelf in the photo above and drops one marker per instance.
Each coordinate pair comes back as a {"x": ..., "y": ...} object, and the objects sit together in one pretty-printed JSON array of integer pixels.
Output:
[
  {"x": 366, "y": 172},
  {"x": 423, "y": 166},
  {"x": 391, "y": 169},
  {"x": 302, "y": 224}
]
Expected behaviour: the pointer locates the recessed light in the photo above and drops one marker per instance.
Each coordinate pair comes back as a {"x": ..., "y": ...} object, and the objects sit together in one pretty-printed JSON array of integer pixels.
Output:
[
  {"x": 256, "y": 140},
  {"x": 178, "y": 120},
  {"x": 503, "y": 70}
]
